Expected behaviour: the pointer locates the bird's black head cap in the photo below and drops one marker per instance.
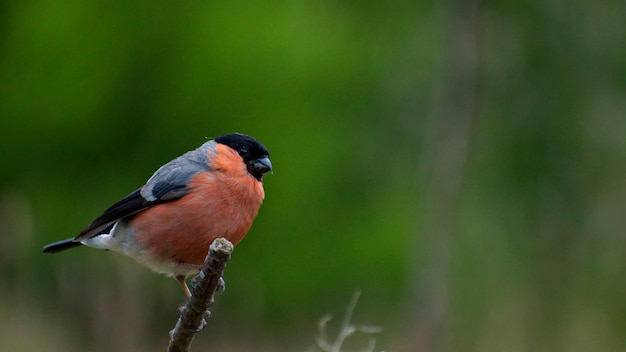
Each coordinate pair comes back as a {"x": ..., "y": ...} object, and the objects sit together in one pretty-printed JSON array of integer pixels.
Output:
[{"x": 254, "y": 154}]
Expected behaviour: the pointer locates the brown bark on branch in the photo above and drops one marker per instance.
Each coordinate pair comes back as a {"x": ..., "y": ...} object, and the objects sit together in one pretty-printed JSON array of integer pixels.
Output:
[{"x": 203, "y": 288}]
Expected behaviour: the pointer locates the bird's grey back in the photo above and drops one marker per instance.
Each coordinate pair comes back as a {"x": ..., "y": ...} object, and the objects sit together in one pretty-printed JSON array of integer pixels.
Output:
[{"x": 177, "y": 172}]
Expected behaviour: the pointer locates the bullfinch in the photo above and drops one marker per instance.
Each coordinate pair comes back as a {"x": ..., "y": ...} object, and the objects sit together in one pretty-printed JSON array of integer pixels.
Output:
[{"x": 169, "y": 223}]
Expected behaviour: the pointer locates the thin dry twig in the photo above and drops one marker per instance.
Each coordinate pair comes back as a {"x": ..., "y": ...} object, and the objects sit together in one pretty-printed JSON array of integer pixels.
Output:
[
  {"x": 206, "y": 283},
  {"x": 346, "y": 330}
]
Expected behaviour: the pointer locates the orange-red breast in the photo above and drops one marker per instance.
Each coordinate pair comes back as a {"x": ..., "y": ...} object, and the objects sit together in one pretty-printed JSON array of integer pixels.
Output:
[{"x": 169, "y": 223}]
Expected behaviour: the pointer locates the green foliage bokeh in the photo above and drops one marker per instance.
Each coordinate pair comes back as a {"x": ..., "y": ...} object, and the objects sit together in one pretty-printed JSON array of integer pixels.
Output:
[{"x": 95, "y": 96}]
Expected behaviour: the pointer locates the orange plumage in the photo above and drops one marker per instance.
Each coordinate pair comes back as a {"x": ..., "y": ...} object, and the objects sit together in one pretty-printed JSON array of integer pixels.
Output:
[{"x": 179, "y": 231}]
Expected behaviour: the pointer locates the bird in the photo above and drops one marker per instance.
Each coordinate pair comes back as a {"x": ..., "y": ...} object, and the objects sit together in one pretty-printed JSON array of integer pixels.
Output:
[{"x": 169, "y": 223}]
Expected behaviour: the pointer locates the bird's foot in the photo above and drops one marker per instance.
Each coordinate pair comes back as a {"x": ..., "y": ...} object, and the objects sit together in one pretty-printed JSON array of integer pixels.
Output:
[{"x": 221, "y": 286}]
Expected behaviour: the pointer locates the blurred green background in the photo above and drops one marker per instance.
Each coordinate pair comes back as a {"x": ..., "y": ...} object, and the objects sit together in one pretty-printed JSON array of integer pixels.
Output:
[{"x": 462, "y": 163}]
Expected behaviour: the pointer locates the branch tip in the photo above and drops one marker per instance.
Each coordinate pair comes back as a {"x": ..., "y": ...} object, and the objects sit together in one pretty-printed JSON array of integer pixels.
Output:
[{"x": 222, "y": 245}]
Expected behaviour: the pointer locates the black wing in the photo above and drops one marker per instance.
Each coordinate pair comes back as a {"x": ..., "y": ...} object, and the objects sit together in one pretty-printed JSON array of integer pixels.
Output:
[
  {"x": 129, "y": 205},
  {"x": 168, "y": 183}
]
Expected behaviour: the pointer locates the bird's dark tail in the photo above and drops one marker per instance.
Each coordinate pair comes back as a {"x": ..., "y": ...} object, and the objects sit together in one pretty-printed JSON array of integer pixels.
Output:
[{"x": 61, "y": 246}]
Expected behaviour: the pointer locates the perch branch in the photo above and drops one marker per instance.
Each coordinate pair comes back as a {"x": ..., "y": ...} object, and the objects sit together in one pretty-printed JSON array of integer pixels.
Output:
[{"x": 203, "y": 288}]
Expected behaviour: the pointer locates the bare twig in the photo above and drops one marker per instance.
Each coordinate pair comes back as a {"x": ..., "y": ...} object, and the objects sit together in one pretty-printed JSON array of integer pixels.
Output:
[
  {"x": 206, "y": 283},
  {"x": 346, "y": 329}
]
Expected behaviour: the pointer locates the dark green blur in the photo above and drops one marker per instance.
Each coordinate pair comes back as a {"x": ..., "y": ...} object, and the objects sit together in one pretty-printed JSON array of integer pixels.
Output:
[{"x": 353, "y": 101}]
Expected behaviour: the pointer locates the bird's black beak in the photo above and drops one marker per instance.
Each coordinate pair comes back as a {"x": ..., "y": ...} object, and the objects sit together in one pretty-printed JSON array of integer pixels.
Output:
[{"x": 260, "y": 166}]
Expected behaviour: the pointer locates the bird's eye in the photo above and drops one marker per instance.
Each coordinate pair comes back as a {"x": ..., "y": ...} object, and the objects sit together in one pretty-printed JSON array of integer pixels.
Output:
[{"x": 243, "y": 151}]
